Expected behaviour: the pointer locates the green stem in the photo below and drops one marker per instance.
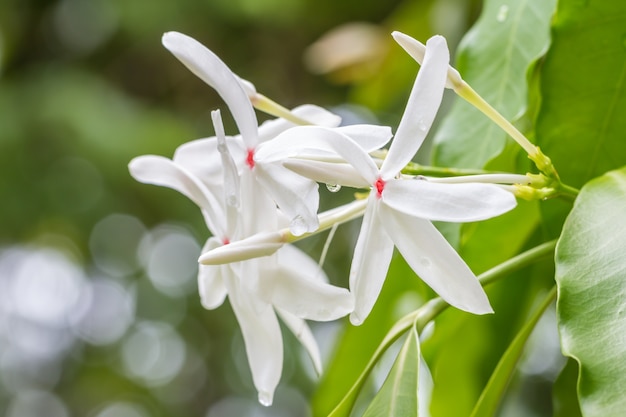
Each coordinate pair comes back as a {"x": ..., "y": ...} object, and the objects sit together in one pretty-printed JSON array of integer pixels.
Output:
[
  {"x": 568, "y": 191},
  {"x": 413, "y": 168},
  {"x": 429, "y": 311},
  {"x": 466, "y": 92}
]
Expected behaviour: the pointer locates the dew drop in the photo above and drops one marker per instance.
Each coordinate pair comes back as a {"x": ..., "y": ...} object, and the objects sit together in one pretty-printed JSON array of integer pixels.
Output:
[
  {"x": 298, "y": 226},
  {"x": 221, "y": 147},
  {"x": 503, "y": 13},
  {"x": 232, "y": 200},
  {"x": 421, "y": 125},
  {"x": 333, "y": 188},
  {"x": 265, "y": 398},
  {"x": 425, "y": 262}
]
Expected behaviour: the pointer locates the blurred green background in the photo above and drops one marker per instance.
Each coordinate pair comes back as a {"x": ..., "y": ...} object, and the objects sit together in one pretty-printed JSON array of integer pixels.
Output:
[{"x": 99, "y": 314}]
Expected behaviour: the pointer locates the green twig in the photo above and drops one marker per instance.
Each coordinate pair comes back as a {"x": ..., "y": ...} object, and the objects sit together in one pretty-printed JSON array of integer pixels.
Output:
[{"x": 413, "y": 168}]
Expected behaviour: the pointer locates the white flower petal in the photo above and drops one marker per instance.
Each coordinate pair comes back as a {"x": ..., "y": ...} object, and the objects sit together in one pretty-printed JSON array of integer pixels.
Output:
[
  {"x": 328, "y": 144},
  {"x": 212, "y": 70},
  {"x": 313, "y": 114},
  {"x": 417, "y": 49},
  {"x": 259, "y": 213},
  {"x": 352, "y": 153},
  {"x": 421, "y": 109},
  {"x": 369, "y": 137},
  {"x": 465, "y": 202},
  {"x": 435, "y": 261},
  {"x": 370, "y": 262},
  {"x": 333, "y": 173},
  {"x": 210, "y": 280},
  {"x": 299, "y": 287},
  {"x": 259, "y": 245},
  {"x": 248, "y": 87},
  {"x": 158, "y": 170},
  {"x": 296, "y": 196},
  {"x": 263, "y": 341},
  {"x": 303, "y": 333}
]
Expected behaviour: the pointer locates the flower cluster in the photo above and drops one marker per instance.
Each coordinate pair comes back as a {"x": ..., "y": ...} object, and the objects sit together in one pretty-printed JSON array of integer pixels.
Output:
[{"x": 258, "y": 191}]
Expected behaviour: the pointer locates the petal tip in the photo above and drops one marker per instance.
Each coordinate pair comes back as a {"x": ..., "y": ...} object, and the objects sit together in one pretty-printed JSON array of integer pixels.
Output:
[
  {"x": 355, "y": 319},
  {"x": 266, "y": 398}
]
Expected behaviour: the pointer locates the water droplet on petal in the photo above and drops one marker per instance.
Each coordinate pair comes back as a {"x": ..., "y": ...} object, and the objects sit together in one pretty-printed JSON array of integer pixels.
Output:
[
  {"x": 221, "y": 147},
  {"x": 333, "y": 188},
  {"x": 503, "y": 13},
  {"x": 298, "y": 226},
  {"x": 425, "y": 262},
  {"x": 265, "y": 398},
  {"x": 421, "y": 125},
  {"x": 232, "y": 200}
]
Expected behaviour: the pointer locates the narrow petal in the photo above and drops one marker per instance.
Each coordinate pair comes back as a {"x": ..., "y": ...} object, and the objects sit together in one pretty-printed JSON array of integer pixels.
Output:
[
  {"x": 447, "y": 202},
  {"x": 296, "y": 196},
  {"x": 332, "y": 173},
  {"x": 370, "y": 263},
  {"x": 303, "y": 333},
  {"x": 435, "y": 261},
  {"x": 299, "y": 287},
  {"x": 263, "y": 341},
  {"x": 259, "y": 245},
  {"x": 315, "y": 140},
  {"x": 202, "y": 158},
  {"x": 421, "y": 109},
  {"x": 210, "y": 283},
  {"x": 158, "y": 170},
  {"x": 212, "y": 70},
  {"x": 230, "y": 177},
  {"x": 417, "y": 49}
]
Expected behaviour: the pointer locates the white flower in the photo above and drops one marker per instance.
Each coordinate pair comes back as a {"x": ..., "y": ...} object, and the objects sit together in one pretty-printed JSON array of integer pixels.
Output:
[
  {"x": 295, "y": 195},
  {"x": 287, "y": 282},
  {"x": 399, "y": 210}
]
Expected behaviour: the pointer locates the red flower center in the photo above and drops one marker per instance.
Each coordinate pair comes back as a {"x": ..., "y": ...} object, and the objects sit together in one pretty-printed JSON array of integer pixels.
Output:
[
  {"x": 250, "y": 158},
  {"x": 225, "y": 241},
  {"x": 380, "y": 186}
]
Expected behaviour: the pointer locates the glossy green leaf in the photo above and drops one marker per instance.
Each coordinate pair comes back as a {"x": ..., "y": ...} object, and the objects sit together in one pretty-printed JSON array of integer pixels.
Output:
[
  {"x": 344, "y": 377},
  {"x": 493, "y": 58},
  {"x": 398, "y": 395},
  {"x": 591, "y": 308},
  {"x": 492, "y": 394},
  {"x": 581, "y": 122},
  {"x": 564, "y": 395}
]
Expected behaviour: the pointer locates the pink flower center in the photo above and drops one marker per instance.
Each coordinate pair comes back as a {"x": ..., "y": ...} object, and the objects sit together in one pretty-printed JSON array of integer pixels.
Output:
[
  {"x": 380, "y": 186},
  {"x": 225, "y": 241},
  {"x": 250, "y": 158}
]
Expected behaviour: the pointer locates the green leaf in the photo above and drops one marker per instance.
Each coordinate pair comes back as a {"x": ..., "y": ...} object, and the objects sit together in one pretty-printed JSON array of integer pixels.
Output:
[
  {"x": 591, "y": 308},
  {"x": 491, "y": 396},
  {"x": 564, "y": 396},
  {"x": 583, "y": 87},
  {"x": 398, "y": 395},
  {"x": 493, "y": 58}
]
